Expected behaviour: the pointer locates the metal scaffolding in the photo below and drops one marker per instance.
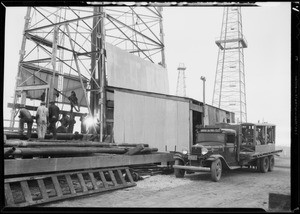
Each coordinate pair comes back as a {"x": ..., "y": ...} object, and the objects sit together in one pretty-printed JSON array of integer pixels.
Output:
[
  {"x": 181, "y": 86},
  {"x": 229, "y": 88},
  {"x": 63, "y": 50}
]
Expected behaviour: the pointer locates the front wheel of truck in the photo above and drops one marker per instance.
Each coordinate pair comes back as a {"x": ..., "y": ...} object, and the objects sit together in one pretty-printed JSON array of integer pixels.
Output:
[
  {"x": 216, "y": 170},
  {"x": 179, "y": 173}
]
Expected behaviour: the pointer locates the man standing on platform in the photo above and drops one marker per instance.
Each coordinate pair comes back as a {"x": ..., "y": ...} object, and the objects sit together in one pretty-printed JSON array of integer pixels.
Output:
[
  {"x": 53, "y": 118},
  {"x": 25, "y": 117},
  {"x": 42, "y": 115}
]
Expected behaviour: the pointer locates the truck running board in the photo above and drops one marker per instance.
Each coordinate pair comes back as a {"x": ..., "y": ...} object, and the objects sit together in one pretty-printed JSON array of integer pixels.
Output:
[{"x": 28, "y": 191}]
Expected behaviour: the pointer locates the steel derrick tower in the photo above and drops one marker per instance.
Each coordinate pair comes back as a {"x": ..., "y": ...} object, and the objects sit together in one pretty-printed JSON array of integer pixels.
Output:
[
  {"x": 181, "y": 86},
  {"x": 64, "y": 49},
  {"x": 229, "y": 88}
]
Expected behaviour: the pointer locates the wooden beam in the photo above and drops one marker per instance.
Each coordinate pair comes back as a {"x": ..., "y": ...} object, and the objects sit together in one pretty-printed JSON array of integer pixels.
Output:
[
  {"x": 34, "y": 108},
  {"x": 195, "y": 107},
  {"x": 28, "y": 166},
  {"x": 32, "y": 87}
]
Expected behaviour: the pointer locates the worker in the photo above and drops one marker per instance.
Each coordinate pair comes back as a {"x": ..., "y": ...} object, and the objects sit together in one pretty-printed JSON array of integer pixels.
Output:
[
  {"x": 42, "y": 116},
  {"x": 72, "y": 121},
  {"x": 74, "y": 101},
  {"x": 25, "y": 117},
  {"x": 83, "y": 125},
  {"x": 64, "y": 120},
  {"x": 53, "y": 118},
  {"x": 43, "y": 96}
]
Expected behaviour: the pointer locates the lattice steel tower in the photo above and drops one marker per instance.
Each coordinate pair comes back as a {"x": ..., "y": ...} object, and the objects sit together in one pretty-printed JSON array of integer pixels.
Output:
[
  {"x": 229, "y": 88},
  {"x": 180, "y": 90}
]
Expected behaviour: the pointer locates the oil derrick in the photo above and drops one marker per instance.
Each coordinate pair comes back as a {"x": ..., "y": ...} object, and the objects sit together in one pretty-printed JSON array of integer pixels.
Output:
[
  {"x": 181, "y": 87},
  {"x": 229, "y": 88},
  {"x": 64, "y": 49}
]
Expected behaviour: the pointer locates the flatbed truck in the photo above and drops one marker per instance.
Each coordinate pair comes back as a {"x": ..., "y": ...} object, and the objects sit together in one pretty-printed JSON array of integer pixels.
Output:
[{"x": 229, "y": 146}]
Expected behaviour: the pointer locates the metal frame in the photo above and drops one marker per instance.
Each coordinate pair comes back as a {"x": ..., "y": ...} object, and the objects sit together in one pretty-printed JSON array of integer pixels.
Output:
[
  {"x": 137, "y": 30},
  {"x": 229, "y": 87}
]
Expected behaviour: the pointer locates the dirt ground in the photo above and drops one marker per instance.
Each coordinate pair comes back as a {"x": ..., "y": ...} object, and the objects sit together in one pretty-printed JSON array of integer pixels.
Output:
[{"x": 241, "y": 188}]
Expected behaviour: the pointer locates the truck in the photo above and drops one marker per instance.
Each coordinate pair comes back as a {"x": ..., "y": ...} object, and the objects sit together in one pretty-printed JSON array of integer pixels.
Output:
[{"x": 227, "y": 146}]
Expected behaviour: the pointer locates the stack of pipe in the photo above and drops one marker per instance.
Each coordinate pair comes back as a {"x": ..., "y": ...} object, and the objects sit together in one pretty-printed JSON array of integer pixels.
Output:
[{"x": 22, "y": 148}]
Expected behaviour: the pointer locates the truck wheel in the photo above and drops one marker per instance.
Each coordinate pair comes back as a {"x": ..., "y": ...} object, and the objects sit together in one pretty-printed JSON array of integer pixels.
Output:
[
  {"x": 216, "y": 170},
  {"x": 264, "y": 164},
  {"x": 271, "y": 163},
  {"x": 179, "y": 173}
]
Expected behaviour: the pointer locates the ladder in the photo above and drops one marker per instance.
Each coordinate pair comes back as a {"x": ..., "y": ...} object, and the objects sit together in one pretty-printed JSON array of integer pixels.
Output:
[{"x": 38, "y": 189}]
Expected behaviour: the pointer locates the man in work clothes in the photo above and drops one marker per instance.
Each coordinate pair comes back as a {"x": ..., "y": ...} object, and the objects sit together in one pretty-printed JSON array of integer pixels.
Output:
[
  {"x": 53, "y": 118},
  {"x": 25, "y": 117},
  {"x": 74, "y": 101},
  {"x": 42, "y": 115},
  {"x": 72, "y": 121}
]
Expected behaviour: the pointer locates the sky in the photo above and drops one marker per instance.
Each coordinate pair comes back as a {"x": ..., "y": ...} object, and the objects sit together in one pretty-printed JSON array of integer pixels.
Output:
[{"x": 190, "y": 34}]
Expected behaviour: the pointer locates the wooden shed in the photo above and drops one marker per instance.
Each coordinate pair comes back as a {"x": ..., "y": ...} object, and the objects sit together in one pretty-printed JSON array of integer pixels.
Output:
[{"x": 163, "y": 121}]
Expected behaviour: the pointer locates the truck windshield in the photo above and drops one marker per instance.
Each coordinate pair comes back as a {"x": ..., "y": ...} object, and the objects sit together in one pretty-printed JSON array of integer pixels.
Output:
[{"x": 205, "y": 137}]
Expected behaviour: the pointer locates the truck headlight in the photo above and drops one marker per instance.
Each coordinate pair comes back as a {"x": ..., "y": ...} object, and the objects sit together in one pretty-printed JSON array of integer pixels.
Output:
[
  {"x": 204, "y": 150},
  {"x": 184, "y": 151}
]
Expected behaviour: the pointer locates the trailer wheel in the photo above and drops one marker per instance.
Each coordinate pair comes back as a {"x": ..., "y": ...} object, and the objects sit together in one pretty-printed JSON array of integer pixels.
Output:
[
  {"x": 216, "y": 170},
  {"x": 179, "y": 173},
  {"x": 271, "y": 163},
  {"x": 264, "y": 164}
]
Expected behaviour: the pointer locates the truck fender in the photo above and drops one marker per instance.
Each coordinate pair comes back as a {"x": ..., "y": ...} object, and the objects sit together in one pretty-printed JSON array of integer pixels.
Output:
[
  {"x": 218, "y": 156},
  {"x": 179, "y": 156}
]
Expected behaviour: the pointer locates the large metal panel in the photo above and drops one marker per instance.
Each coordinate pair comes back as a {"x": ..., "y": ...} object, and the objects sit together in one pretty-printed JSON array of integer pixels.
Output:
[
  {"x": 160, "y": 122},
  {"x": 129, "y": 71}
]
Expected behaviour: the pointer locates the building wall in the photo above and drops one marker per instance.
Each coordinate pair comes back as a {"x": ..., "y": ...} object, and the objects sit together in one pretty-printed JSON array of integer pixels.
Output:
[
  {"x": 161, "y": 123},
  {"x": 126, "y": 70}
]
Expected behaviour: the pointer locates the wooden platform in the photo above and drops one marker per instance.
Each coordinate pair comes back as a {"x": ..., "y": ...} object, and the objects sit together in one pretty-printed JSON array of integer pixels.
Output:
[{"x": 16, "y": 167}]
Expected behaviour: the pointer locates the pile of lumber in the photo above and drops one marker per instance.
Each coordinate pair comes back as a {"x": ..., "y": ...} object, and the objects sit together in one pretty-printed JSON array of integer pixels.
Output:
[{"x": 64, "y": 148}]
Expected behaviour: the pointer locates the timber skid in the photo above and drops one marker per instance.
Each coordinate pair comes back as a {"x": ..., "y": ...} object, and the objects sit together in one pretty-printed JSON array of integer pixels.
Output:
[{"x": 34, "y": 190}]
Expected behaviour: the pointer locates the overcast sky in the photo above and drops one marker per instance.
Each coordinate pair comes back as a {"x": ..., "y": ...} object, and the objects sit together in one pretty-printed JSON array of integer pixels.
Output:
[{"x": 190, "y": 34}]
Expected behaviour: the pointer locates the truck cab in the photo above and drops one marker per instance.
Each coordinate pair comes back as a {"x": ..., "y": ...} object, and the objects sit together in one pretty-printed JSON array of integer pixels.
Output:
[{"x": 228, "y": 146}]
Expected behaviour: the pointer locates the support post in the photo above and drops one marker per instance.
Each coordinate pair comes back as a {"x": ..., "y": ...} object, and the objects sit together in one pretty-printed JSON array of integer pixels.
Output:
[
  {"x": 22, "y": 54},
  {"x": 102, "y": 76},
  {"x": 54, "y": 52},
  {"x": 163, "y": 57}
]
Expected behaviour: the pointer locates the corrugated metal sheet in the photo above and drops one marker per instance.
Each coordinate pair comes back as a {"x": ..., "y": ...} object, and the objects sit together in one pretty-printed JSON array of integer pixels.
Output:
[
  {"x": 161, "y": 123},
  {"x": 129, "y": 71}
]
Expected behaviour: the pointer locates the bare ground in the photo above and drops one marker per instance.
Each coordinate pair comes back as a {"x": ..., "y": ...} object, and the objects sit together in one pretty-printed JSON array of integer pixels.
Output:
[{"x": 241, "y": 188}]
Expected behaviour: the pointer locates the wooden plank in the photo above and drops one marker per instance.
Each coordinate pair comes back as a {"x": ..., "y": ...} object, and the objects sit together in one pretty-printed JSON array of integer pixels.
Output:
[
  {"x": 8, "y": 195},
  {"x": 32, "y": 87},
  {"x": 70, "y": 184},
  {"x": 57, "y": 186},
  {"x": 26, "y": 191},
  {"x": 129, "y": 175},
  {"x": 43, "y": 188},
  {"x": 121, "y": 176},
  {"x": 26, "y": 166},
  {"x": 82, "y": 182},
  {"x": 93, "y": 180},
  {"x": 112, "y": 176},
  {"x": 103, "y": 179}
]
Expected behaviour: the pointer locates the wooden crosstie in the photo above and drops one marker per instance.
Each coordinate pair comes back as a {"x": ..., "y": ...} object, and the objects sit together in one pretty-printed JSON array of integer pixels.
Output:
[{"x": 29, "y": 191}]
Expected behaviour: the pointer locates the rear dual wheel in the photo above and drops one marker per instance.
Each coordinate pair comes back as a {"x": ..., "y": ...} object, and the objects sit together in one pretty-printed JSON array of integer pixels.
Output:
[
  {"x": 271, "y": 163},
  {"x": 264, "y": 164}
]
